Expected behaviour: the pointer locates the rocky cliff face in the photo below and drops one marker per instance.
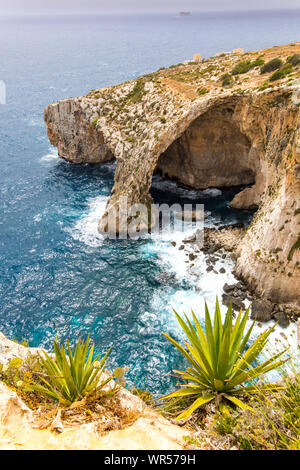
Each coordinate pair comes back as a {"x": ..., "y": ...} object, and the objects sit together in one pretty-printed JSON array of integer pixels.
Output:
[
  {"x": 72, "y": 133},
  {"x": 205, "y": 126},
  {"x": 22, "y": 428}
]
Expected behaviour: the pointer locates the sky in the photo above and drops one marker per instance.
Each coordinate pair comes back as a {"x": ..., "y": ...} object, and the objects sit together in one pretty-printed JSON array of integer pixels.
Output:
[{"x": 106, "y": 6}]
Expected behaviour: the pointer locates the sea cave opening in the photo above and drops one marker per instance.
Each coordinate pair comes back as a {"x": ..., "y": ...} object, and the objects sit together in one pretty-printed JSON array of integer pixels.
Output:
[
  {"x": 212, "y": 162},
  {"x": 211, "y": 153}
]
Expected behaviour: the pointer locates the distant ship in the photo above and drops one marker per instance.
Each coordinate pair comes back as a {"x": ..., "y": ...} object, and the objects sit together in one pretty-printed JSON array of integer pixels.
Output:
[{"x": 185, "y": 13}]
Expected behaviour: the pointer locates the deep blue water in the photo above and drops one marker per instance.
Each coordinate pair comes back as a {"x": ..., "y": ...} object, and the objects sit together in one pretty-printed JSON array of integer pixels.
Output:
[{"x": 57, "y": 278}]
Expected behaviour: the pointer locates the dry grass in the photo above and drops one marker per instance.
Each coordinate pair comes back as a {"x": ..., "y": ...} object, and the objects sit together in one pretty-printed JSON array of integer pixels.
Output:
[{"x": 107, "y": 412}]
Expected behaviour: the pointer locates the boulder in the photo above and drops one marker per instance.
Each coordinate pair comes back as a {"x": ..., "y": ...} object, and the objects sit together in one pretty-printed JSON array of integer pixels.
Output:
[
  {"x": 213, "y": 249},
  {"x": 282, "y": 319},
  {"x": 247, "y": 199},
  {"x": 229, "y": 288},
  {"x": 261, "y": 310},
  {"x": 237, "y": 304},
  {"x": 190, "y": 239}
]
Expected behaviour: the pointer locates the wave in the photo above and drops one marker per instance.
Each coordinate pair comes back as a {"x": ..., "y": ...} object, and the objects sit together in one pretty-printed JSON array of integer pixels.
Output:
[
  {"x": 51, "y": 156},
  {"x": 194, "y": 284},
  {"x": 171, "y": 186},
  {"x": 86, "y": 228},
  {"x": 199, "y": 286}
]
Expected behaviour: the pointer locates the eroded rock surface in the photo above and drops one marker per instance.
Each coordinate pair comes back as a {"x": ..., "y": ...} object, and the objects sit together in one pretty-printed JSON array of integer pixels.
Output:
[
  {"x": 187, "y": 124},
  {"x": 17, "y": 431},
  {"x": 20, "y": 430},
  {"x": 10, "y": 350}
]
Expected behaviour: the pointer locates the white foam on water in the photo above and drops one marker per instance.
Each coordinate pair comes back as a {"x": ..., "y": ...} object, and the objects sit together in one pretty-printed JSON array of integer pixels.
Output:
[
  {"x": 86, "y": 228},
  {"x": 212, "y": 192},
  {"x": 37, "y": 217},
  {"x": 173, "y": 187},
  {"x": 204, "y": 286},
  {"x": 51, "y": 156},
  {"x": 110, "y": 166},
  {"x": 184, "y": 301}
]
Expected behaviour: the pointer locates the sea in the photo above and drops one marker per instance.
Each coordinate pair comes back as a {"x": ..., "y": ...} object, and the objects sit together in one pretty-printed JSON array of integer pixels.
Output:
[{"x": 59, "y": 279}]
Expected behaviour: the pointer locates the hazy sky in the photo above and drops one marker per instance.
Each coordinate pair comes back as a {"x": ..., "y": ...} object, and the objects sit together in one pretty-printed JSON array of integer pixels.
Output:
[{"x": 7, "y": 6}]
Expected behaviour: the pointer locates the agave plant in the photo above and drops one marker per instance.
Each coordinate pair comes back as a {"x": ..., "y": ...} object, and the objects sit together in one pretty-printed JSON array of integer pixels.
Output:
[
  {"x": 72, "y": 374},
  {"x": 220, "y": 362}
]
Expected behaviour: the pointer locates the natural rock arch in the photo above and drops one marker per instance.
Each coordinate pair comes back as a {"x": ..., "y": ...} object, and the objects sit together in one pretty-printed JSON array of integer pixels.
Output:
[
  {"x": 250, "y": 138},
  {"x": 212, "y": 152}
]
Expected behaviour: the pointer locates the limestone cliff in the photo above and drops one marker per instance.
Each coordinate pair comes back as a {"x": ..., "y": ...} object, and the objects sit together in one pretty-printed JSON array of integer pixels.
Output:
[
  {"x": 215, "y": 123},
  {"x": 21, "y": 428}
]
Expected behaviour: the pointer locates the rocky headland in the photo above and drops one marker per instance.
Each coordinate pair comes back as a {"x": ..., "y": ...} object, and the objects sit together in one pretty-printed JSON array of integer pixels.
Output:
[{"x": 228, "y": 120}]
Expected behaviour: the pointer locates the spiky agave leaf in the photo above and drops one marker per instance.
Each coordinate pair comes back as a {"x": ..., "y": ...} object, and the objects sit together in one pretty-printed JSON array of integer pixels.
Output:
[
  {"x": 200, "y": 401},
  {"x": 72, "y": 376},
  {"x": 219, "y": 360}
]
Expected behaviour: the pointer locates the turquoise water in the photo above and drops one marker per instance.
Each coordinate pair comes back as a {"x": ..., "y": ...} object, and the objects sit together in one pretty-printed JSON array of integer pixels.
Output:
[{"x": 58, "y": 277}]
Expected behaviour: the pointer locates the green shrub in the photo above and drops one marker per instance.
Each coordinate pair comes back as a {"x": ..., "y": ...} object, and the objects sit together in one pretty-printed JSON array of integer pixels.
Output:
[
  {"x": 245, "y": 66},
  {"x": 257, "y": 62},
  {"x": 224, "y": 423},
  {"x": 290, "y": 401},
  {"x": 202, "y": 91},
  {"x": 23, "y": 342},
  {"x": 272, "y": 65},
  {"x": 294, "y": 60},
  {"x": 295, "y": 247},
  {"x": 137, "y": 93},
  {"x": 220, "y": 362},
  {"x": 265, "y": 86},
  {"x": 282, "y": 72},
  {"x": 71, "y": 377},
  {"x": 226, "y": 79},
  {"x": 276, "y": 423},
  {"x": 241, "y": 67},
  {"x": 18, "y": 376},
  {"x": 143, "y": 395}
]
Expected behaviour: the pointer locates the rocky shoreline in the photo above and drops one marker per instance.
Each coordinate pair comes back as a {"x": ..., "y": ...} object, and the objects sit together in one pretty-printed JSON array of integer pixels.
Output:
[
  {"x": 220, "y": 122},
  {"x": 221, "y": 244}
]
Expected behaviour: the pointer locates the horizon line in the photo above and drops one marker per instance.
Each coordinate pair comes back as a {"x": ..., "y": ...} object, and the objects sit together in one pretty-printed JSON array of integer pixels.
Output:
[{"x": 34, "y": 12}]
